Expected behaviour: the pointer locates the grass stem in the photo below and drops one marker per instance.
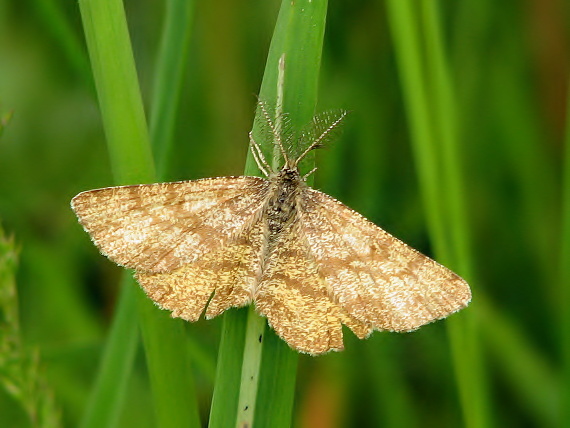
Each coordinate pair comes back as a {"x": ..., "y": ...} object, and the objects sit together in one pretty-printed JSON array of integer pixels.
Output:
[
  {"x": 121, "y": 106},
  {"x": 253, "y": 348},
  {"x": 298, "y": 37},
  {"x": 428, "y": 91},
  {"x": 565, "y": 274}
]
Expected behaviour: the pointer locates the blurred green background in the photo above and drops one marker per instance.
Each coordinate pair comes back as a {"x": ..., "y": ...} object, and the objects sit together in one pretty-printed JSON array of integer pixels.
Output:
[{"x": 510, "y": 64}]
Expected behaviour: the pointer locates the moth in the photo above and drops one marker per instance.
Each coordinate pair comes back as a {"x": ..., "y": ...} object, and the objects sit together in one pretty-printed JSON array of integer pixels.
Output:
[{"x": 309, "y": 263}]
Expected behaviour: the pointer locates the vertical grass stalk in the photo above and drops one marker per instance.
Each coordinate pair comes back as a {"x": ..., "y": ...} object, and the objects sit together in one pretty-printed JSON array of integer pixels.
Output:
[
  {"x": 463, "y": 332},
  {"x": 108, "y": 393},
  {"x": 565, "y": 274},
  {"x": 249, "y": 383},
  {"x": 255, "y": 332},
  {"x": 124, "y": 122},
  {"x": 429, "y": 98},
  {"x": 298, "y": 37},
  {"x": 169, "y": 72}
]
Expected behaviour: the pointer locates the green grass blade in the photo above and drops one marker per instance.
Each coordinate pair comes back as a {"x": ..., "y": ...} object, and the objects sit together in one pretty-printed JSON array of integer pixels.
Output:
[
  {"x": 123, "y": 118},
  {"x": 463, "y": 334},
  {"x": 108, "y": 393},
  {"x": 228, "y": 371},
  {"x": 524, "y": 364},
  {"x": 277, "y": 379},
  {"x": 298, "y": 37},
  {"x": 404, "y": 25},
  {"x": 428, "y": 94},
  {"x": 528, "y": 373},
  {"x": 170, "y": 371},
  {"x": 131, "y": 159},
  {"x": 168, "y": 81},
  {"x": 446, "y": 134},
  {"x": 169, "y": 363},
  {"x": 565, "y": 275},
  {"x": 116, "y": 81},
  {"x": 250, "y": 368}
]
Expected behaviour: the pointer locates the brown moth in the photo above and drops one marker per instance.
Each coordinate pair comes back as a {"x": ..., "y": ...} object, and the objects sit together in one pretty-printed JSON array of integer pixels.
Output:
[{"x": 307, "y": 262}]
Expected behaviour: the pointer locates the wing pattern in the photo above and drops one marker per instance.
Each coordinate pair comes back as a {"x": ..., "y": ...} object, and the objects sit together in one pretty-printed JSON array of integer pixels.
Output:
[
  {"x": 204, "y": 243},
  {"x": 160, "y": 227},
  {"x": 231, "y": 272},
  {"x": 293, "y": 297},
  {"x": 375, "y": 277}
]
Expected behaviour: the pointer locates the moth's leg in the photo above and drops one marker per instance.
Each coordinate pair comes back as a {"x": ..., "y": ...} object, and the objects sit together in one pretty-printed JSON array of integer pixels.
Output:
[{"x": 258, "y": 156}]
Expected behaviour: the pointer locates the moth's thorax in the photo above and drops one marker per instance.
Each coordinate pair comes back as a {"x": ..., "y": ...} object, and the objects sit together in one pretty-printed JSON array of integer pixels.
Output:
[{"x": 281, "y": 207}]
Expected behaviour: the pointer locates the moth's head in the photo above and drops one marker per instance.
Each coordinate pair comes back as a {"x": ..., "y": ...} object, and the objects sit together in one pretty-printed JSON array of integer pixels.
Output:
[
  {"x": 289, "y": 173},
  {"x": 292, "y": 147}
]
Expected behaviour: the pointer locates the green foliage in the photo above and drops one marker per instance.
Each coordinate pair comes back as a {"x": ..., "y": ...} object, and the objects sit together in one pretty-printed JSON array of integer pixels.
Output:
[
  {"x": 21, "y": 376},
  {"x": 123, "y": 116},
  {"x": 268, "y": 368},
  {"x": 454, "y": 144},
  {"x": 430, "y": 104}
]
